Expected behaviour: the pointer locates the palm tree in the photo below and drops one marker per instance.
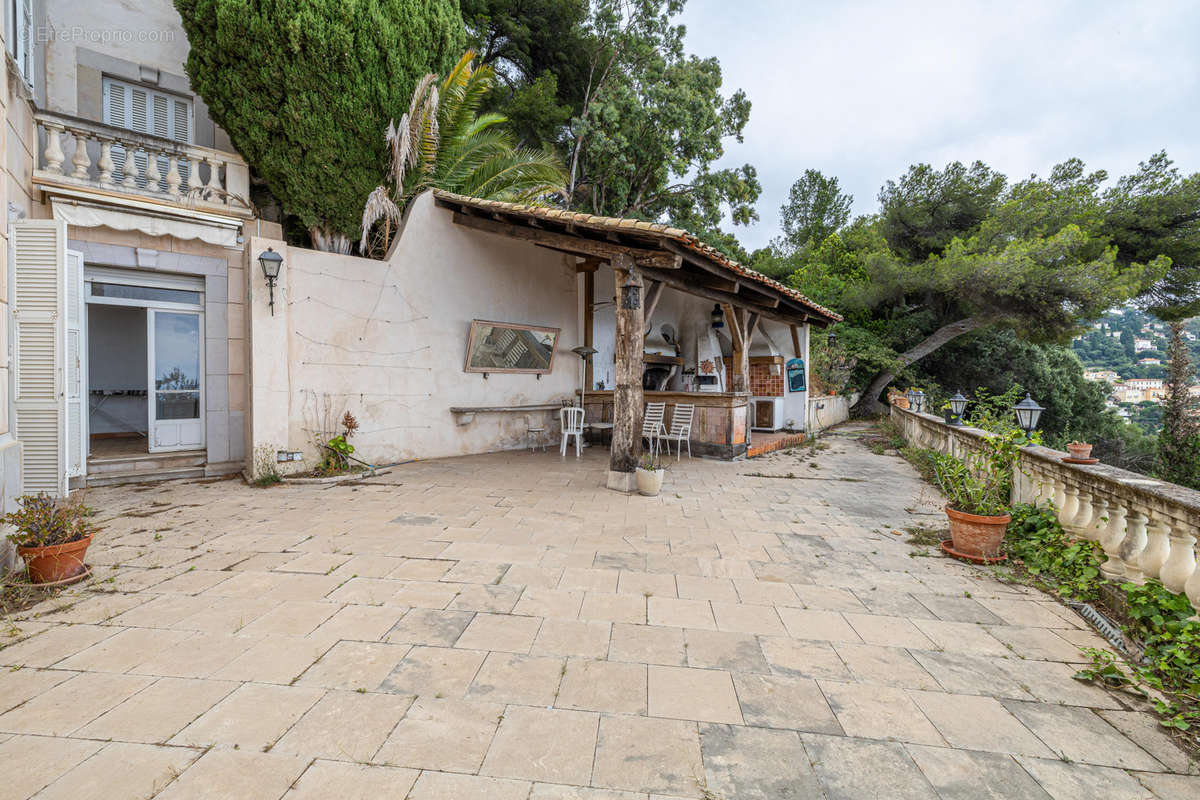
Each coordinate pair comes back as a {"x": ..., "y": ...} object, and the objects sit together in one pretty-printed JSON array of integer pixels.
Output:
[{"x": 444, "y": 142}]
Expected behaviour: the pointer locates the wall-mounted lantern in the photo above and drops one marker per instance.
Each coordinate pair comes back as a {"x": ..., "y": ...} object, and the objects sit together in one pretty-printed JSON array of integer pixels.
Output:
[
  {"x": 831, "y": 340},
  {"x": 718, "y": 317},
  {"x": 271, "y": 263},
  {"x": 631, "y": 293},
  {"x": 1028, "y": 413}
]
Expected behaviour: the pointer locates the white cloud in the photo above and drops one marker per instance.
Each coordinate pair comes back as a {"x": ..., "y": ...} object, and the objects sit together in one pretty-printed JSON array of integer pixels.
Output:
[{"x": 861, "y": 90}]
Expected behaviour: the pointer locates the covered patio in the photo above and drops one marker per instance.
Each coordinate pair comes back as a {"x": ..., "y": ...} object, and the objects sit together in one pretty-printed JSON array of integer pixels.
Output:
[{"x": 504, "y": 627}]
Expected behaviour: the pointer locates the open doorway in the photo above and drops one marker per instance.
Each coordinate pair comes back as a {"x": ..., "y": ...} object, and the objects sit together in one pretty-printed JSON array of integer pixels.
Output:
[{"x": 118, "y": 413}]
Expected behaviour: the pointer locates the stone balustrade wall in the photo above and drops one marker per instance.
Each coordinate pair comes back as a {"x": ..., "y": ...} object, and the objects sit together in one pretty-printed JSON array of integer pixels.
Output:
[{"x": 1148, "y": 528}]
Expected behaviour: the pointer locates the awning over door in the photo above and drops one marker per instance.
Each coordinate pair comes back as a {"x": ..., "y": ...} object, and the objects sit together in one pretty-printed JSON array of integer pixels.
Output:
[{"x": 86, "y": 215}]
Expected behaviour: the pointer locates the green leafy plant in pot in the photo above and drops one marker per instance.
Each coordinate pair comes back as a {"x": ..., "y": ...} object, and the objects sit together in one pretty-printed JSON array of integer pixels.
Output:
[
  {"x": 978, "y": 490},
  {"x": 52, "y": 536},
  {"x": 650, "y": 476}
]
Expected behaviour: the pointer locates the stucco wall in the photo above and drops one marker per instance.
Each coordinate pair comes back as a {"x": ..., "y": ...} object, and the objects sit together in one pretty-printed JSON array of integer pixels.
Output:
[{"x": 386, "y": 340}]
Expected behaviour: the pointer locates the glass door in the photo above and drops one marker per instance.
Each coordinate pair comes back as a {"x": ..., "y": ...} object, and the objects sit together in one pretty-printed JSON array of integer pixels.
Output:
[{"x": 176, "y": 363}]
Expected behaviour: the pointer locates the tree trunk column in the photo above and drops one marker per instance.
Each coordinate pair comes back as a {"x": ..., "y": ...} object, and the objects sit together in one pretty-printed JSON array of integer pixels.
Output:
[{"x": 627, "y": 391}]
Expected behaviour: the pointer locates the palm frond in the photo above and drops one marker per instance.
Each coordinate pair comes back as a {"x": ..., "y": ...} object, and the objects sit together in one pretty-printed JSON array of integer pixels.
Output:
[{"x": 380, "y": 206}]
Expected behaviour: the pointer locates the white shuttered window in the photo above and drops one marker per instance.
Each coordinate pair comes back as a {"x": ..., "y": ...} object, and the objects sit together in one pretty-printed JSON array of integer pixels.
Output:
[{"x": 149, "y": 111}]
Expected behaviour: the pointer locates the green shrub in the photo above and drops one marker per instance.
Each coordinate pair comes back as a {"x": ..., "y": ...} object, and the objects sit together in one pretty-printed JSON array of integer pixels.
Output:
[
  {"x": 1069, "y": 567},
  {"x": 43, "y": 521}
]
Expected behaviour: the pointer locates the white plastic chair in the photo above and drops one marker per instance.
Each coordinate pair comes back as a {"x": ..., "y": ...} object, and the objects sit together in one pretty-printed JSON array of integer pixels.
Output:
[
  {"x": 681, "y": 429},
  {"x": 536, "y": 433},
  {"x": 652, "y": 425},
  {"x": 571, "y": 418}
]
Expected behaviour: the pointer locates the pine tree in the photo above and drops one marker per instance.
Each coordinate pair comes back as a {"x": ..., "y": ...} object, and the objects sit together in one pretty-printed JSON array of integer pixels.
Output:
[{"x": 1179, "y": 439}]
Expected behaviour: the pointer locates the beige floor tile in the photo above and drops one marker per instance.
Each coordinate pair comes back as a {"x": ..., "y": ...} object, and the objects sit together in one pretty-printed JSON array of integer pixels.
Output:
[
  {"x": 514, "y": 678},
  {"x": 421, "y": 569},
  {"x": 354, "y": 665},
  {"x": 646, "y": 583},
  {"x": 345, "y": 726},
  {"x": 251, "y": 718},
  {"x": 370, "y": 591},
  {"x": 1079, "y": 735},
  {"x": 879, "y": 712},
  {"x": 756, "y": 763},
  {"x": 855, "y": 769},
  {"x": 1042, "y": 644},
  {"x": 961, "y": 637},
  {"x": 568, "y": 637},
  {"x": 476, "y": 572},
  {"x": 358, "y": 623},
  {"x": 887, "y": 666},
  {"x": 430, "y": 626},
  {"x": 159, "y": 711},
  {"x": 670, "y": 612},
  {"x": 549, "y": 603},
  {"x": 492, "y": 599},
  {"x": 745, "y": 618},
  {"x": 691, "y": 587},
  {"x": 55, "y": 644},
  {"x": 274, "y": 659},
  {"x": 448, "y": 786},
  {"x": 888, "y": 631},
  {"x": 978, "y": 723},
  {"x": 31, "y": 762},
  {"x": 764, "y": 592},
  {"x": 328, "y": 779},
  {"x": 589, "y": 579},
  {"x": 629, "y": 608},
  {"x": 434, "y": 672},
  {"x": 198, "y": 656},
  {"x": 643, "y": 754},
  {"x": 647, "y": 644},
  {"x": 72, "y": 704},
  {"x": 236, "y": 775},
  {"x": 736, "y": 652},
  {"x": 828, "y": 626},
  {"x": 559, "y": 791},
  {"x": 532, "y": 577},
  {"x": 229, "y": 615},
  {"x": 122, "y": 770},
  {"x": 967, "y": 775},
  {"x": 541, "y": 744},
  {"x": 828, "y": 598},
  {"x": 1144, "y": 731},
  {"x": 449, "y": 735},
  {"x": 17, "y": 686},
  {"x": 1170, "y": 787},
  {"x": 803, "y": 659},
  {"x": 608, "y": 686},
  {"x": 1063, "y": 780},
  {"x": 778, "y": 701},
  {"x": 500, "y": 632},
  {"x": 706, "y": 695},
  {"x": 426, "y": 594},
  {"x": 292, "y": 618},
  {"x": 316, "y": 563}
]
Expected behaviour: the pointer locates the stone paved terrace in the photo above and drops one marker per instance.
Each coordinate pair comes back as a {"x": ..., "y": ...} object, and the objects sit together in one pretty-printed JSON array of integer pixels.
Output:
[{"x": 502, "y": 627}]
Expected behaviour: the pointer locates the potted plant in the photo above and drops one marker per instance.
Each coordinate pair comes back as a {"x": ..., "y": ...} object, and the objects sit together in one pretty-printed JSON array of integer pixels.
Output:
[
  {"x": 650, "y": 476},
  {"x": 52, "y": 536},
  {"x": 978, "y": 492},
  {"x": 1080, "y": 451}
]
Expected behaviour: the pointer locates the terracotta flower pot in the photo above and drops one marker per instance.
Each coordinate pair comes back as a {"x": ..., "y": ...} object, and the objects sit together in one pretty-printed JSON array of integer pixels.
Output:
[
  {"x": 649, "y": 481},
  {"x": 1080, "y": 451},
  {"x": 901, "y": 402},
  {"x": 977, "y": 536},
  {"x": 56, "y": 562}
]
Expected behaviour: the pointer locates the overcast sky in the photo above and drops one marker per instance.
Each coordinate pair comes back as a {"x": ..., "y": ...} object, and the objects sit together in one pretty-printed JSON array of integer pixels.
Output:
[{"x": 861, "y": 89}]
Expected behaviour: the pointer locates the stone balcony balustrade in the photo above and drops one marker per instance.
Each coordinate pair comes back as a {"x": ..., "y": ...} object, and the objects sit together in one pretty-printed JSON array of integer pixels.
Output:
[
  {"x": 105, "y": 161},
  {"x": 1147, "y": 528}
]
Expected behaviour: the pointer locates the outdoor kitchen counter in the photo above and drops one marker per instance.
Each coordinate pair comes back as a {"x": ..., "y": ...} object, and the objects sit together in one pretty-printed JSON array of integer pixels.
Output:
[{"x": 718, "y": 428}]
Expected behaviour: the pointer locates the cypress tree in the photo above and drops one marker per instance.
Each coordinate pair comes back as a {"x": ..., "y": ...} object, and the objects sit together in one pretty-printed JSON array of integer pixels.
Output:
[
  {"x": 304, "y": 89},
  {"x": 1179, "y": 439}
]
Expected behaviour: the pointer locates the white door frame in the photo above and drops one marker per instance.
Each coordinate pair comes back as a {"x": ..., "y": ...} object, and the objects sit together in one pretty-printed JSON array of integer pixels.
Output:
[{"x": 152, "y": 392}]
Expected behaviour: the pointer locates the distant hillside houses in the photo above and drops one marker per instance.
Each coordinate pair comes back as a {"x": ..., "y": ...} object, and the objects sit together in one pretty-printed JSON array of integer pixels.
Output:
[{"x": 1141, "y": 345}]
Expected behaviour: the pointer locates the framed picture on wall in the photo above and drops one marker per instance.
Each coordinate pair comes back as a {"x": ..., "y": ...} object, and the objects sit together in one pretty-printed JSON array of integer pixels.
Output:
[{"x": 510, "y": 347}]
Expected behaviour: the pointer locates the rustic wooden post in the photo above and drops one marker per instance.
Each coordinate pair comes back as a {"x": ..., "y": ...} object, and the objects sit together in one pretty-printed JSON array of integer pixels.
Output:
[
  {"x": 627, "y": 389},
  {"x": 589, "y": 298}
]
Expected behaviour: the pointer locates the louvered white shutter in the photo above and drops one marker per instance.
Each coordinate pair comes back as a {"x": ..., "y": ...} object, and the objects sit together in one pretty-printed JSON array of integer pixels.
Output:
[
  {"x": 76, "y": 368},
  {"x": 143, "y": 110},
  {"x": 38, "y": 256}
]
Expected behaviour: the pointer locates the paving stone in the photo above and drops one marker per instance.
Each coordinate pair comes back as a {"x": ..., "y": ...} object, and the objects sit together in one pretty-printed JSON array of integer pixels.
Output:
[
  {"x": 345, "y": 726},
  {"x": 756, "y": 764},
  {"x": 252, "y": 717},
  {"x": 449, "y": 735},
  {"x": 964, "y": 775},
  {"x": 829, "y": 626},
  {"x": 55, "y": 644},
  {"x": 879, "y": 712},
  {"x": 235, "y": 775},
  {"x": 549, "y": 603},
  {"x": 513, "y": 678},
  {"x": 434, "y": 671},
  {"x": 569, "y": 637},
  {"x": 18, "y": 686},
  {"x": 1042, "y": 644},
  {"x": 121, "y": 770},
  {"x": 696, "y": 588},
  {"x": 630, "y": 608},
  {"x": 1063, "y": 780},
  {"x": 803, "y": 659},
  {"x": 354, "y": 665},
  {"x": 853, "y": 769},
  {"x": 736, "y": 652},
  {"x": 1080, "y": 735},
  {"x": 642, "y": 754},
  {"x": 961, "y": 637},
  {"x": 778, "y": 701},
  {"x": 159, "y": 711},
  {"x": 1143, "y": 729},
  {"x": 198, "y": 656},
  {"x": 448, "y": 786},
  {"x": 358, "y": 623},
  {"x": 828, "y": 598},
  {"x": 697, "y": 694},
  {"x": 72, "y": 704},
  {"x": 292, "y": 618},
  {"x": 31, "y": 762},
  {"x": 978, "y": 723},
  {"x": 552, "y": 745},
  {"x": 647, "y": 644},
  {"x": 745, "y": 618},
  {"x": 493, "y": 599},
  {"x": 608, "y": 686},
  {"x": 888, "y": 631},
  {"x": 888, "y": 666},
  {"x": 274, "y": 659},
  {"x": 558, "y": 791},
  {"x": 500, "y": 632},
  {"x": 1170, "y": 787},
  {"x": 675, "y": 613},
  {"x": 430, "y": 627},
  {"x": 326, "y": 779}
]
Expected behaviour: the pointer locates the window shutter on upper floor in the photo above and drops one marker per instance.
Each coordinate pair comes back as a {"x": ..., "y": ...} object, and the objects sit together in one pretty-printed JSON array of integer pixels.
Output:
[{"x": 148, "y": 111}]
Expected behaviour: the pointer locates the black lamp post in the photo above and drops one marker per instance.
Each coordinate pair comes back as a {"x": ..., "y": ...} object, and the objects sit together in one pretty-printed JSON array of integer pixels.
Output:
[
  {"x": 958, "y": 404},
  {"x": 916, "y": 400},
  {"x": 271, "y": 263},
  {"x": 718, "y": 316},
  {"x": 1028, "y": 413}
]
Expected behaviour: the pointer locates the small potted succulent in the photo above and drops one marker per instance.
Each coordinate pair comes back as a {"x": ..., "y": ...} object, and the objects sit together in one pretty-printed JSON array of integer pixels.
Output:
[
  {"x": 1080, "y": 451},
  {"x": 650, "y": 476},
  {"x": 52, "y": 535}
]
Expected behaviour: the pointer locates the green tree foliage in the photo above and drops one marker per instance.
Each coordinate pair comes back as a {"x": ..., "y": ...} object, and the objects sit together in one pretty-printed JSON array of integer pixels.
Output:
[
  {"x": 304, "y": 88},
  {"x": 816, "y": 208},
  {"x": 444, "y": 142},
  {"x": 1179, "y": 439},
  {"x": 926, "y": 209}
]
